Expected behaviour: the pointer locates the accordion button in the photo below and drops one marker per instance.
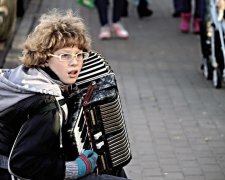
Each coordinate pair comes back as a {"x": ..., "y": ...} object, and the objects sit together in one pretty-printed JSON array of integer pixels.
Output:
[
  {"x": 98, "y": 135},
  {"x": 99, "y": 145}
]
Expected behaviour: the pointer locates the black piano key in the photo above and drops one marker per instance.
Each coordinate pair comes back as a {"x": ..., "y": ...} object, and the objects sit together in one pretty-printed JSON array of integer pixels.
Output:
[
  {"x": 81, "y": 124},
  {"x": 83, "y": 133},
  {"x": 86, "y": 143}
]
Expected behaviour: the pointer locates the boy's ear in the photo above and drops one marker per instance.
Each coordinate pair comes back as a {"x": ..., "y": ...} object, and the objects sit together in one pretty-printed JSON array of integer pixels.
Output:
[{"x": 45, "y": 64}]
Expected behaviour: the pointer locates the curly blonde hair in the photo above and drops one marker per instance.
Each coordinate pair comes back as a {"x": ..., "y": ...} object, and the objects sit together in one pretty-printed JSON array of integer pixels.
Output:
[{"x": 56, "y": 30}]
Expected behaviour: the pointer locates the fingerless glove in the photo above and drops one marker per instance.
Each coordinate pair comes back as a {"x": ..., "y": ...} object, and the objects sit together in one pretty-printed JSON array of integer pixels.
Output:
[
  {"x": 86, "y": 162},
  {"x": 83, "y": 165}
]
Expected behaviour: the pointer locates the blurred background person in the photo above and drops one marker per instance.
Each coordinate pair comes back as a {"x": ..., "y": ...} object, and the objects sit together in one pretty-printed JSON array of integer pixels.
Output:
[
  {"x": 205, "y": 28},
  {"x": 177, "y": 5},
  {"x": 143, "y": 9},
  {"x": 115, "y": 27},
  {"x": 186, "y": 16},
  {"x": 125, "y": 8}
]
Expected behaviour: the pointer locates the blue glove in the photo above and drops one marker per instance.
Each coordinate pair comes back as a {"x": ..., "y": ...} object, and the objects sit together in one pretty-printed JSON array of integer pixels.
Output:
[{"x": 86, "y": 162}]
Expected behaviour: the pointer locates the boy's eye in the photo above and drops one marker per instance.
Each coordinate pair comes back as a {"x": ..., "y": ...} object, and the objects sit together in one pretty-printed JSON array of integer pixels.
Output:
[
  {"x": 79, "y": 55},
  {"x": 66, "y": 56}
]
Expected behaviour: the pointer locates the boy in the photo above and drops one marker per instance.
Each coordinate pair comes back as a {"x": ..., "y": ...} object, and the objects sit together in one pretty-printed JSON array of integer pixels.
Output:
[{"x": 32, "y": 142}]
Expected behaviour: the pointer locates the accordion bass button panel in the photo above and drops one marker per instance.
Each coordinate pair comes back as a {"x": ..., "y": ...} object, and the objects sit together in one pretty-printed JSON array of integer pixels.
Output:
[{"x": 103, "y": 117}]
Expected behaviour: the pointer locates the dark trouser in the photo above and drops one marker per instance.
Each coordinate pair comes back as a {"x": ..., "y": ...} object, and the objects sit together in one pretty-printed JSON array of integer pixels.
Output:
[
  {"x": 102, "y": 7},
  {"x": 4, "y": 175},
  {"x": 187, "y": 7},
  {"x": 102, "y": 177},
  {"x": 177, "y": 4},
  {"x": 120, "y": 173},
  {"x": 205, "y": 47}
]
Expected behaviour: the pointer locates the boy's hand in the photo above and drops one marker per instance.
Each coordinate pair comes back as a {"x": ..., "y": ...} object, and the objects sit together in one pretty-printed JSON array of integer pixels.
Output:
[{"x": 86, "y": 162}]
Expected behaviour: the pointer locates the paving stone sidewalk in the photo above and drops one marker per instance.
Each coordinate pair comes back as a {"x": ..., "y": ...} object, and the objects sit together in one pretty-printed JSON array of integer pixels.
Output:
[{"x": 175, "y": 118}]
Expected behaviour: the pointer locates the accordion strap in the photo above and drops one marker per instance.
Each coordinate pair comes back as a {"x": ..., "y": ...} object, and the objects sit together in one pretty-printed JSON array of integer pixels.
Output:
[{"x": 89, "y": 93}]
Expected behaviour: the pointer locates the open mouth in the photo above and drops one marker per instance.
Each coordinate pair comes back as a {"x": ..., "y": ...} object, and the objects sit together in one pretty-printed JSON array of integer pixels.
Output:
[{"x": 73, "y": 73}]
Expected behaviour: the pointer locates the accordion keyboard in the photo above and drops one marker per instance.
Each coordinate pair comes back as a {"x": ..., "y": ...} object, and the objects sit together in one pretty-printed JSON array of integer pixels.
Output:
[{"x": 81, "y": 134}]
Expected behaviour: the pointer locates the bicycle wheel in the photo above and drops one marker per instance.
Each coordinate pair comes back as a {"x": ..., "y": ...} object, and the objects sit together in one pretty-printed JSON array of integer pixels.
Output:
[
  {"x": 217, "y": 78},
  {"x": 207, "y": 69}
]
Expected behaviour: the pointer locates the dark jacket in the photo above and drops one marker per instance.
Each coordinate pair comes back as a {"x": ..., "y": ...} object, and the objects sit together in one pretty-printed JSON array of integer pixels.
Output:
[
  {"x": 37, "y": 140},
  {"x": 36, "y": 151},
  {"x": 34, "y": 140}
]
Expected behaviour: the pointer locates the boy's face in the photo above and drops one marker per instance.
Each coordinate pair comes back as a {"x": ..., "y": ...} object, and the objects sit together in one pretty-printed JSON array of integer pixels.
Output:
[{"x": 66, "y": 63}]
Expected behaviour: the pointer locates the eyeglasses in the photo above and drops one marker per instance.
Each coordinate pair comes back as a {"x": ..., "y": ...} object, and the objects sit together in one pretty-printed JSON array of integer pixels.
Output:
[{"x": 68, "y": 56}]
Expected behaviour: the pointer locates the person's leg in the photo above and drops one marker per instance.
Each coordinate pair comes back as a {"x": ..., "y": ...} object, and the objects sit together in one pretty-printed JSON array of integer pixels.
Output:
[
  {"x": 117, "y": 10},
  {"x": 185, "y": 16},
  {"x": 117, "y": 27},
  {"x": 143, "y": 10},
  {"x": 102, "y": 8},
  {"x": 120, "y": 173},
  {"x": 203, "y": 38},
  {"x": 205, "y": 46},
  {"x": 203, "y": 9},
  {"x": 199, "y": 10},
  {"x": 177, "y": 5},
  {"x": 186, "y": 6},
  {"x": 125, "y": 8},
  {"x": 199, "y": 7}
]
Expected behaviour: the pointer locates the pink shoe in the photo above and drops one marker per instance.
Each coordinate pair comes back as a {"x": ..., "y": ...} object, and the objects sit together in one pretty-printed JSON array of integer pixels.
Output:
[
  {"x": 105, "y": 32},
  {"x": 119, "y": 31},
  {"x": 196, "y": 26},
  {"x": 185, "y": 22}
]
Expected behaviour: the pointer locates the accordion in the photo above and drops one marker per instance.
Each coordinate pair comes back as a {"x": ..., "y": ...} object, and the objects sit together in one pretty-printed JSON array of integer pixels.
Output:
[{"x": 100, "y": 123}]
